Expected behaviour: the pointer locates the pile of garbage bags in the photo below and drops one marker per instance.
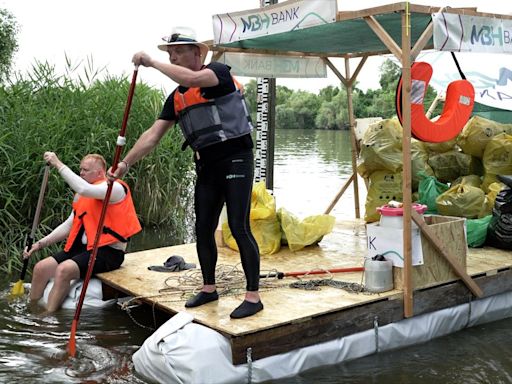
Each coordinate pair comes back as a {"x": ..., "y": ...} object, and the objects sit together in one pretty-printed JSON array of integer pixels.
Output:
[
  {"x": 272, "y": 228},
  {"x": 455, "y": 178}
]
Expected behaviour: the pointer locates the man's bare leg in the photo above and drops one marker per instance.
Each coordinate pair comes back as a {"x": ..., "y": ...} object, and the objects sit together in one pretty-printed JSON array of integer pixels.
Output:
[
  {"x": 43, "y": 271},
  {"x": 66, "y": 271}
]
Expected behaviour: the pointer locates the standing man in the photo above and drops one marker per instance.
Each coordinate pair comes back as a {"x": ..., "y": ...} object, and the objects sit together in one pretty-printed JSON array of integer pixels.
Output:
[
  {"x": 80, "y": 229},
  {"x": 212, "y": 114}
]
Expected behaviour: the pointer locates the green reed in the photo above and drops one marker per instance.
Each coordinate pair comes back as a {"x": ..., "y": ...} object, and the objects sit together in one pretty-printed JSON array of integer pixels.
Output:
[{"x": 73, "y": 115}]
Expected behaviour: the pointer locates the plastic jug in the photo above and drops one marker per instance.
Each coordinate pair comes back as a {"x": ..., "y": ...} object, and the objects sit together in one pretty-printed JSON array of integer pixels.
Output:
[
  {"x": 392, "y": 217},
  {"x": 378, "y": 274}
]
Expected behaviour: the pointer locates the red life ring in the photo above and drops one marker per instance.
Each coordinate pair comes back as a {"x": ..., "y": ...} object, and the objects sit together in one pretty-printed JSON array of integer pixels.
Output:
[{"x": 460, "y": 98}]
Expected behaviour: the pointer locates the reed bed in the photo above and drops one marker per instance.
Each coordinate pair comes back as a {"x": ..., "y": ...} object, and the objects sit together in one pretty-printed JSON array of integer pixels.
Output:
[{"x": 72, "y": 116}]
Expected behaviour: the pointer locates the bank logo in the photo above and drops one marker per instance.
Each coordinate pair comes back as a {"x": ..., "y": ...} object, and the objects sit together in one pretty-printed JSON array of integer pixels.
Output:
[
  {"x": 264, "y": 21},
  {"x": 488, "y": 35}
]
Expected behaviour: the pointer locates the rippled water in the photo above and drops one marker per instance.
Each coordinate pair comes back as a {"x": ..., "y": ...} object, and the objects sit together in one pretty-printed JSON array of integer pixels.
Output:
[
  {"x": 33, "y": 344},
  {"x": 310, "y": 167}
]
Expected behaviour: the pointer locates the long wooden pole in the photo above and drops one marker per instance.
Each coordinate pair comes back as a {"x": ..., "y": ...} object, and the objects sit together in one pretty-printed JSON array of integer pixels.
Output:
[
  {"x": 340, "y": 193},
  {"x": 119, "y": 147},
  {"x": 37, "y": 216},
  {"x": 348, "y": 81},
  {"x": 353, "y": 139},
  {"x": 18, "y": 289},
  {"x": 406, "y": 162}
]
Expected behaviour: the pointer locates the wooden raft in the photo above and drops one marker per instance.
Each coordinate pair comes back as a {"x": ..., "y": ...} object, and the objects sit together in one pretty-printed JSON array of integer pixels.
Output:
[{"x": 295, "y": 318}]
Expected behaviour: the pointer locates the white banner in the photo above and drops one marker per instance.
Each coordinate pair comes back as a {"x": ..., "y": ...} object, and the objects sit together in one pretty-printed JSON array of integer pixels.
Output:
[
  {"x": 500, "y": 95},
  {"x": 388, "y": 242},
  {"x": 491, "y": 75},
  {"x": 255, "y": 65},
  {"x": 462, "y": 33},
  {"x": 277, "y": 18}
]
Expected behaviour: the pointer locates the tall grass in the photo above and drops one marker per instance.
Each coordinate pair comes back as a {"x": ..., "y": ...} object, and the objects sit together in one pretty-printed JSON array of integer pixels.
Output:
[{"x": 72, "y": 116}]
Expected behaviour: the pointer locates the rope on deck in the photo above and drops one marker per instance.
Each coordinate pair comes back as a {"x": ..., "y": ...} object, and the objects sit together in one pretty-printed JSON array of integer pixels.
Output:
[
  {"x": 229, "y": 281},
  {"x": 314, "y": 285}
]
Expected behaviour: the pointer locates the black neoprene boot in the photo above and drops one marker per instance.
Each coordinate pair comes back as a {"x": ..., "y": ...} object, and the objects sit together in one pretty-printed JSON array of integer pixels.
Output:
[
  {"x": 201, "y": 298},
  {"x": 246, "y": 309}
]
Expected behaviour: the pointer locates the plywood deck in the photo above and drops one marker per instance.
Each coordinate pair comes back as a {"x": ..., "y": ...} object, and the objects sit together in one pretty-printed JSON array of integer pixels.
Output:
[{"x": 287, "y": 310}]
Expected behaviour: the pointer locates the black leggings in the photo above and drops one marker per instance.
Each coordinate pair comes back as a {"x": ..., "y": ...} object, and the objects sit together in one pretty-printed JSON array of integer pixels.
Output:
[{"x": 230, "y": 181}]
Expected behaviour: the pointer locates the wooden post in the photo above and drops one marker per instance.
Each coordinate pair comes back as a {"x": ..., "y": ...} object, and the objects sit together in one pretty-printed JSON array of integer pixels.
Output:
[
  {"x": 348, "y": 82},
  {"x": 216, "y": 55},
  {"x": 353, "y": 139},
  {"x": 406, "y": 163}
]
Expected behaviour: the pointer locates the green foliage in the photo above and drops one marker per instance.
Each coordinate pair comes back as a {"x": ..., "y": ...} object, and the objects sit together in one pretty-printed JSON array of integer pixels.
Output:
[
  {"x": 333, "y": 112},
  {"x": 283, "y": 94},
  {"x": 251, "y": 94},
  {"x": 389, "y": 75},
  {"x": 45, "y": 112},
  {"x": 300, "y": 111},
  {"x": 8, "y": 42}
]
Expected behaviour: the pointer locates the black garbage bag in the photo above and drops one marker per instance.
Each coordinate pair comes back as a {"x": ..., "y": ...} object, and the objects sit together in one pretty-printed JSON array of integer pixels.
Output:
[{"x": 499, "y": 232}]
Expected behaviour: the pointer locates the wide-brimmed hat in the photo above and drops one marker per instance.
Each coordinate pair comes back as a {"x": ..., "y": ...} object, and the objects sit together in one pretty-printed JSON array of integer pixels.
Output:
[{"x": 183, "y": 36}]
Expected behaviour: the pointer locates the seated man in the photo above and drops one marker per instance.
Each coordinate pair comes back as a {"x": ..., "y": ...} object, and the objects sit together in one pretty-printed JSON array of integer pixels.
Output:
[{"x": 80, "y": 230}]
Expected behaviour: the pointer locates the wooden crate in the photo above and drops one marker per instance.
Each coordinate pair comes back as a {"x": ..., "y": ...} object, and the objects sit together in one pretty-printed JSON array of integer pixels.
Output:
[{"x": 436, "y": 269}]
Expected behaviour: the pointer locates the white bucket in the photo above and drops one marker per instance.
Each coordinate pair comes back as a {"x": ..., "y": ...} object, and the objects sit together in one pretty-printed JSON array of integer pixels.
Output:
[
  {"x": 378, "y": 275},
  {"x": 394, "y": 222}
]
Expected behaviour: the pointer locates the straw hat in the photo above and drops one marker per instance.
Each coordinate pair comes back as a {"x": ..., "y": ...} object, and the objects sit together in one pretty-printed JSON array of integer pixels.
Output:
[{"x": 183, "y": 36}]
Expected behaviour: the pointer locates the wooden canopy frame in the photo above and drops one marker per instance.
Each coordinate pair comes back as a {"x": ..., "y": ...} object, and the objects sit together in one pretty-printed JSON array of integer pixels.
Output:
[{"x": 406, "y": 53}]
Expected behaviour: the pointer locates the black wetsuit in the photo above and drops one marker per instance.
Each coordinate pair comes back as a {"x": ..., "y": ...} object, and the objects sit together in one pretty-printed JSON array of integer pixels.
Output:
[{"x": 224, "y": 175}]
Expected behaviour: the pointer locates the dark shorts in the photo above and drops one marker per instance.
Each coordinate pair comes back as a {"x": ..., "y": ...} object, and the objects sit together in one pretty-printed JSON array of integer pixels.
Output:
[{"x": 107, "y": 259}]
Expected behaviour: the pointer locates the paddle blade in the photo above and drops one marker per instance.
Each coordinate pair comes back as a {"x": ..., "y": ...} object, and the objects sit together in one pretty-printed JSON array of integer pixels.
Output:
[
  {"x": 72, "y": 339},
  {"x": 18, "y": 289}
]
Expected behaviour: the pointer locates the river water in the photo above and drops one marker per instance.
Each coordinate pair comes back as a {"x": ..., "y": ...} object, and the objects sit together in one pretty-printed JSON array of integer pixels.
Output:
[{"x": 310, "y": 169}]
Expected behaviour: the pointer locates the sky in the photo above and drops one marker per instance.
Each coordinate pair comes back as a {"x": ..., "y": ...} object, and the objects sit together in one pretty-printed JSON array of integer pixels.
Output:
[{"x": 111, "y": 31}]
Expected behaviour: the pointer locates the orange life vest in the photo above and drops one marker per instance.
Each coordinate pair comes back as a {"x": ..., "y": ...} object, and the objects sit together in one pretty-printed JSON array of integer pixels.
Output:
[
  {"x": 120, "y": 223},
  {"x": 458, "y": 106},
  {"x": 204, "y": 122}
]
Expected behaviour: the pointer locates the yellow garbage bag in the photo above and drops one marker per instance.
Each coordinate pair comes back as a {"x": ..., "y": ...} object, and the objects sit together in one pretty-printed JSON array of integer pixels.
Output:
[
  {"x": 419, "y": 163},
  {"x": 450, "y": 165},
  {"x": 473, "y": 180},
  {"x": 442, "y": 147},
  {"x": 490, "y": 198},
  {"x": 384, "y": 187},
  {"x": 477, "y": 133},
  {"x": 300, "y": 234},
  {"x": 497, "y": 159},
  {"x": 263, "y": 221},
  {"x": 461, "y": 200},
  {"x": 381, "y": 147}
]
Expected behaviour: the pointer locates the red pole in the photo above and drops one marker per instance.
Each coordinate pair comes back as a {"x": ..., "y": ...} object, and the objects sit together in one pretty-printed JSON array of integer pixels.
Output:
[
  {"x": 119, "y": 147},
  {"x": 281, "y": 275}
]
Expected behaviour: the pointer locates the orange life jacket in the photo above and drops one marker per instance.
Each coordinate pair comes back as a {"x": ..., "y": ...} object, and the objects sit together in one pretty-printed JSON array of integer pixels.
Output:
[
  {"x": 458, "y": 106},
  {"x": 120, "y": 223},
  {"x": 204, "y": 122}
]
